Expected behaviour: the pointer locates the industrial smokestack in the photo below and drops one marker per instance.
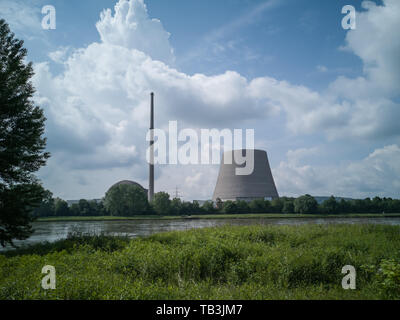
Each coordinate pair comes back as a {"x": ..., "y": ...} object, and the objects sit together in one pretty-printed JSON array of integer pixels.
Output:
[{"x": 151, "y": 165}]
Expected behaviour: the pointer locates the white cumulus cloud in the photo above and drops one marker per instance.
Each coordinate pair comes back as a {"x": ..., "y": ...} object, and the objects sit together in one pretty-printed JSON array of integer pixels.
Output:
[
  {"x": 97, "y": 108},
  {"x": 131, "y": 27},
  {"x": 376, "y": 174}
]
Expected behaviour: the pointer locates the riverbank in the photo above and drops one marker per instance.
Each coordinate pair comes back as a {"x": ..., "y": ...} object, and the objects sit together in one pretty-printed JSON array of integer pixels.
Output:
[
  {"x": 247, "y": 262},
  {"x": 223, "y": 216}
]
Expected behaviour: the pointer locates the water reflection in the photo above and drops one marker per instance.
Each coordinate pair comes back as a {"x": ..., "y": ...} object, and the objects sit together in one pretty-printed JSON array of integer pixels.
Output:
[{"x": 51, "y": 231}]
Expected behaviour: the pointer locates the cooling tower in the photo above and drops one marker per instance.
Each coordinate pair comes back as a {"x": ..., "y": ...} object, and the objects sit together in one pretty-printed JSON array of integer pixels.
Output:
[{"x": 258, "y": 184}]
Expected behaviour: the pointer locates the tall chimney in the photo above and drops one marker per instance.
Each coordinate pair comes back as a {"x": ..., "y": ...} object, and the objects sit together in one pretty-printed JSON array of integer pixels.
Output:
[{"x": 151, "y": 165}]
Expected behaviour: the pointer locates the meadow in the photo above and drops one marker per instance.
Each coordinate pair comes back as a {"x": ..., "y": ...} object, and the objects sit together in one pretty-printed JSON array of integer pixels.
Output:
[{"x": 246, "y": 262}]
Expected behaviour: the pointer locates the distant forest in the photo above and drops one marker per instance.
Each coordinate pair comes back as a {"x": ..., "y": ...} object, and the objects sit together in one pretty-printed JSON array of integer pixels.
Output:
[{"x": 128, "y": 200}]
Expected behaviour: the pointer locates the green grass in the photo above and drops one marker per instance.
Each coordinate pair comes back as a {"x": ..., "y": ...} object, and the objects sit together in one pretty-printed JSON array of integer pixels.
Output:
[
  {"x": 247, "y": 262},
  {"x": 223, "y": 216}
]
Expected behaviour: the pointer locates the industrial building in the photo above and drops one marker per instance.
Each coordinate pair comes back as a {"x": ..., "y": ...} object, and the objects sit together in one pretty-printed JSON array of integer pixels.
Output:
[
  {"x": 257, "y": 185},
  {"x": 130, "y": 183}
]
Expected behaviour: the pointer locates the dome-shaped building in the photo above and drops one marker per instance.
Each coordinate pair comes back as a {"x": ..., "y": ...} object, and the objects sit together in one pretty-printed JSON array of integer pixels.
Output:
[{"x": 128, "y": 182}]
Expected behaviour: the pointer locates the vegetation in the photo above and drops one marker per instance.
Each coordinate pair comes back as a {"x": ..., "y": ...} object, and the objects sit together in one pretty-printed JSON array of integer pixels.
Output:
[
  {"x": 129, "y": 200},
  {"x": 162, "y": 203},
  {"x": 305, "y": 204},
  {"x": 251, "y": 262},
  {"x": 126, "y": 199},
  {"x": 21, "y": 143},
  {"x": 221, "y": 216}
]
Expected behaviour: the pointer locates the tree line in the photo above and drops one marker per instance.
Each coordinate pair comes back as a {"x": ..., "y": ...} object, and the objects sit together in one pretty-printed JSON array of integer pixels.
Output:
[{"x": 130, "y": 200}]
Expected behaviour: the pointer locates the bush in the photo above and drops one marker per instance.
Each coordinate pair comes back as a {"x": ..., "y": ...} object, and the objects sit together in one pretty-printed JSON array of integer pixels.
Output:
[
  {"x": 230, "y": 207},
  {"x": 161, "y": 203},
  {"x": 305, "y": 204},
  {"x": 247, "y": 262}
]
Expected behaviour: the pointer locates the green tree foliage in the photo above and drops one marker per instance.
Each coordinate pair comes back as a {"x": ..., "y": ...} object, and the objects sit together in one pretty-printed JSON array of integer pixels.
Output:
[
  {"x": 344, "y": 206},
  {"x": 208, "y": 207},
  {"x": 305, "y": 204},
  {"x": 242, "y": 206},
  {"x": 276, "y": 205},
  {"x": 22, "y": 147},
  {"x": 97, "y": 208},
  {"x": 46, "y": 208},
  {"x": 288, "y": 206},
  {"x": 189, "y": 208},
  {"x": 85, "y": 208},
  {"x": 161, "y": 203},
  {"x": 58, "y": 207},
  {"x": 219, "y": 204},
  {"x": 74, "y": 210},
  {"x": 126, "y": 200},
  {"x": 230, "y": 207},
  {"x": 258, "y": 206},
  {"x": 61, "y": 208},
  {"x": 330, "y": 206},
  {"x": 176, "y": 206}
]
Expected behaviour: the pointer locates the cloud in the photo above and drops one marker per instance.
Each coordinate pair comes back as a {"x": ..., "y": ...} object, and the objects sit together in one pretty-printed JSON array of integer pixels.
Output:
[
  {"x": 23, "y": 18},
  {"x": 381, "y": 55},
  {"x": 59, "y": 55},
  {"x": 376, "y": 174},
  {"x": 97, "y": 108},
  {"x": 193, "y": 182},
  {"x": 131, "y": 28},
  {"x": 351, "y": 108},
  {"x": 322, "y": 68}
]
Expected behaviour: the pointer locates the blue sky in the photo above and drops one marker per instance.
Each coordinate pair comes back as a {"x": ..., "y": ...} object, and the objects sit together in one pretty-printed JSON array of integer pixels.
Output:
[
  {"x": 324, "y": 101},
  {"x": 211, "y": 37}
]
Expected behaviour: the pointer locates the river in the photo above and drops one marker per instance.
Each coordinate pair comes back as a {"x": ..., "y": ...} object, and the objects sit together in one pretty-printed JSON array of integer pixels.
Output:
[{"x": 52, "y": 231}]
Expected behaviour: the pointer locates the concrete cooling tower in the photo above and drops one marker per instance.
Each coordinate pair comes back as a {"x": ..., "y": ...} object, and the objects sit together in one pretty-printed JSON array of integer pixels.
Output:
[{"x": 257, "y": 185}]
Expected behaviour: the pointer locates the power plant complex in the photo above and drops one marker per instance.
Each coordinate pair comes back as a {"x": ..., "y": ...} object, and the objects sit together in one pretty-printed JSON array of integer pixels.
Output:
[{"x": 259, "y": 184}]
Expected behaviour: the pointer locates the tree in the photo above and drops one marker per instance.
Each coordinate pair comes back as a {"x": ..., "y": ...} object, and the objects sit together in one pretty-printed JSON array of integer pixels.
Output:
[
  {"x": 189, "y": 208},
  {"x": 288, "y": 206},
  {"x": 330, "y": 206},
  {"x": 97, "y": 208},
  {"x": 84, "y": 208},
  {"x": 176, "y": 206},
  {"x": 208, "y": 207},
  {"x": 242, "y": 206},
  {"x": 219, "y": 204},
  {"x": 21, "y": 143},
  {"x": 46, "y": 208},
  {"x": 377, "y": 205},
  {"x": 74, "y": 209},
  {"x": 61, "y": 208},
  {"x": 230, "y": 207},
  {"x": 161, "y": 203},
  {"x": 344, "y": 206},
  {"x": 125, "y": 200},
  {"x": 305, "y": 204},
  {"x": 276, "y": 205},
  {"x": 258, "y": 206}
]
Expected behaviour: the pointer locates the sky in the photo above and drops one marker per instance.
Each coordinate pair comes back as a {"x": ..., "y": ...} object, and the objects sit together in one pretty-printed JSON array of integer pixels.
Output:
[{"x": 324, "y": 101}]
